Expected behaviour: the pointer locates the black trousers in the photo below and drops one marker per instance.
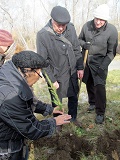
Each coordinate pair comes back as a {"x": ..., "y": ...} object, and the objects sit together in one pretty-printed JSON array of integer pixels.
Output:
[
  {"x": 96, "y": 95},
  {"x": 72, "y": 106}
]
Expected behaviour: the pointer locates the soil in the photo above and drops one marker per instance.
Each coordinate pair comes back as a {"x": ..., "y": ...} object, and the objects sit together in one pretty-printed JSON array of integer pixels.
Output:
[
  {"x": 109, "y": 145},
  {"x": 71, "y": 147}
]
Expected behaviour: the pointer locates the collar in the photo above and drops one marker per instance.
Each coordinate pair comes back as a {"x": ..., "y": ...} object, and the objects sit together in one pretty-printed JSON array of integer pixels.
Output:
[{"x": 50, "y": 25}]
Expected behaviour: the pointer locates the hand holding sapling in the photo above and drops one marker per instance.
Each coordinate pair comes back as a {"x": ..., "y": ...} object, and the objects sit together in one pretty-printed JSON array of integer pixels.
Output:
[{"x": 57, "y": 111}]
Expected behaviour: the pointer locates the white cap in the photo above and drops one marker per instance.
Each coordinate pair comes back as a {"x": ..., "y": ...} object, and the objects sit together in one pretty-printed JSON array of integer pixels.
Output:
[{"x": 102, "y": 12}]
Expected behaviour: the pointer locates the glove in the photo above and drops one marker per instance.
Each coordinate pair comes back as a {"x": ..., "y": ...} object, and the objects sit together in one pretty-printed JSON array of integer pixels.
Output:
[
  {"x": 101, "y": 73},
  {"x": 86, "y": 46}
]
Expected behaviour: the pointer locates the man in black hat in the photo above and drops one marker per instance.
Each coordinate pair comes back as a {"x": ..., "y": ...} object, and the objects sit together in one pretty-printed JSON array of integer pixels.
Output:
[
  {"x": 57, "y": 42},
  {"x": 17, "y": 121}
]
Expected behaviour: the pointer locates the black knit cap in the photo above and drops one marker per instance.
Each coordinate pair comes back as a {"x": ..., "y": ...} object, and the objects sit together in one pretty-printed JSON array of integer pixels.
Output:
[
  {"x": 29, "y": 59},
  {"x": 60, "y": 15}
]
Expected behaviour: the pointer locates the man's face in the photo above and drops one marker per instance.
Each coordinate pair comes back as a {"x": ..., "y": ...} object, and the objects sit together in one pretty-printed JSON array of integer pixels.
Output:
[
  {"x": 58, "y": 28},
  {"x": 32, "y": 76},
  {"x": 99, "y": 22},
  {"x": 3, "y": 49}
]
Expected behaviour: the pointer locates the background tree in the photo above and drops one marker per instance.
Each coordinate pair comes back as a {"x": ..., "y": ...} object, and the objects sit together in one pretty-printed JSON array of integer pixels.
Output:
[{"x": 26, "y": 17}]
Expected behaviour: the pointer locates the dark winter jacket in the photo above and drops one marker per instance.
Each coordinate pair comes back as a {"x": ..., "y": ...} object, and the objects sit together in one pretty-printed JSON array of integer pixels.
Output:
[
  {"x": 102, "y": 49},
  {"x": 17, "y": 120},
  {"x": 65, "y": 59}
]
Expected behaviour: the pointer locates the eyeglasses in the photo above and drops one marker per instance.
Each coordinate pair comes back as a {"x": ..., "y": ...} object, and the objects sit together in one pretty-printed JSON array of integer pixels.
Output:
[
  {"x": 4, "y": 50},
  {"x": 24, "y": 70},
  {"x": 37, "y": 73},
  {"x": 7, "y": 48},
  {"x": 2, "y": 57}
]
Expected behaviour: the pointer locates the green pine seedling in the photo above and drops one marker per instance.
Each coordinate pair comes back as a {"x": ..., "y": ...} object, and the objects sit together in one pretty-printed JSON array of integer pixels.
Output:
[{"x": 52, "y": 90}]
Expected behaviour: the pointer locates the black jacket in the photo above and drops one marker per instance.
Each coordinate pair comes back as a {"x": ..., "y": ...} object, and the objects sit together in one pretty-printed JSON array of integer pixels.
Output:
[
  {"x": 102, "y": 49},
  {"x": 17, "y": 120}
]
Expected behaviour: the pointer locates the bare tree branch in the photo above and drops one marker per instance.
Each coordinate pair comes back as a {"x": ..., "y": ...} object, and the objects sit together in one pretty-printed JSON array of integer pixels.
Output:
[
  {"x": 11, "y": 20},
  {"x": 44, "y": 7}
]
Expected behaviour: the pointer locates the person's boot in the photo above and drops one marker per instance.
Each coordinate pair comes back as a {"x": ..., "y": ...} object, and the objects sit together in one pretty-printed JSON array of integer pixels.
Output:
[
  {"x": 91, "y": 108},
  {"x": 99, "y": 119}
]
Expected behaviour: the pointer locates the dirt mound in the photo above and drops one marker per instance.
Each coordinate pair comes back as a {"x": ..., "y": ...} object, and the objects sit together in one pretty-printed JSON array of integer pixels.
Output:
[
  {"x": 109, "y": 145},
  {"x": 67, "y": 147}
]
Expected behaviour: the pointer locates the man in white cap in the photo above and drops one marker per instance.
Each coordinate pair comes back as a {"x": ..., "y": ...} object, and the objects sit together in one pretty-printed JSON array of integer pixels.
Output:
[
  {"x": 103, "y": 38},
  {"x": 57, "y": 42}
]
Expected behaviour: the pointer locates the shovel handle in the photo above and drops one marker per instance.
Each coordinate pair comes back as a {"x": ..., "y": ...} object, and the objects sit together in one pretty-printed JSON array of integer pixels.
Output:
[
  {"x": 85, "y": 58},
  {"x": 84, "y": 63}
]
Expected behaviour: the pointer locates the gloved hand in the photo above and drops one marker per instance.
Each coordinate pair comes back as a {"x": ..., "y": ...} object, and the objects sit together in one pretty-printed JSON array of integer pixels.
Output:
[{"x": 86, "y": 46}]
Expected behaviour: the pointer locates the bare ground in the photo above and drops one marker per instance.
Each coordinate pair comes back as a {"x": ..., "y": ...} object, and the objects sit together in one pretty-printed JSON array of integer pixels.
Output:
[{"x": 69, "y": 146}]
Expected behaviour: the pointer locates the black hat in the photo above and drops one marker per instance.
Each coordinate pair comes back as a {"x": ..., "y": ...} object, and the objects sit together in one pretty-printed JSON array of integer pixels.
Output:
[
  {"x": 29, "y": 59},
  {"x": 60, "y": 15}
]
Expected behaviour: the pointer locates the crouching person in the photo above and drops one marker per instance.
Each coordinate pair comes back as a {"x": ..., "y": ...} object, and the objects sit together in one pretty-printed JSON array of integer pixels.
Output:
[{"x": 17, "y": 121}]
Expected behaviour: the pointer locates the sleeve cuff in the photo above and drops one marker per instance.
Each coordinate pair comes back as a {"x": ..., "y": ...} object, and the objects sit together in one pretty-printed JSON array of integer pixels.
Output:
[
  {"x": 48, "y": 111},
  {"x": 52, "y": 123}
]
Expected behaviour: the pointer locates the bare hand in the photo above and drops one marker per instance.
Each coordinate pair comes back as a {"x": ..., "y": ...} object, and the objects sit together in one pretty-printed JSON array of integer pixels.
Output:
[
  {"x": 57, "y": 110},
  {"x": 80, "y": 74},
  {"x": 62, "y": 119},
  {"x": 56, "y": 85}
]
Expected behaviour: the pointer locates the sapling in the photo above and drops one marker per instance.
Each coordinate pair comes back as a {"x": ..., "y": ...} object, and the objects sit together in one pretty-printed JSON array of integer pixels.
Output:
[{"x": 53, "y": 92}]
